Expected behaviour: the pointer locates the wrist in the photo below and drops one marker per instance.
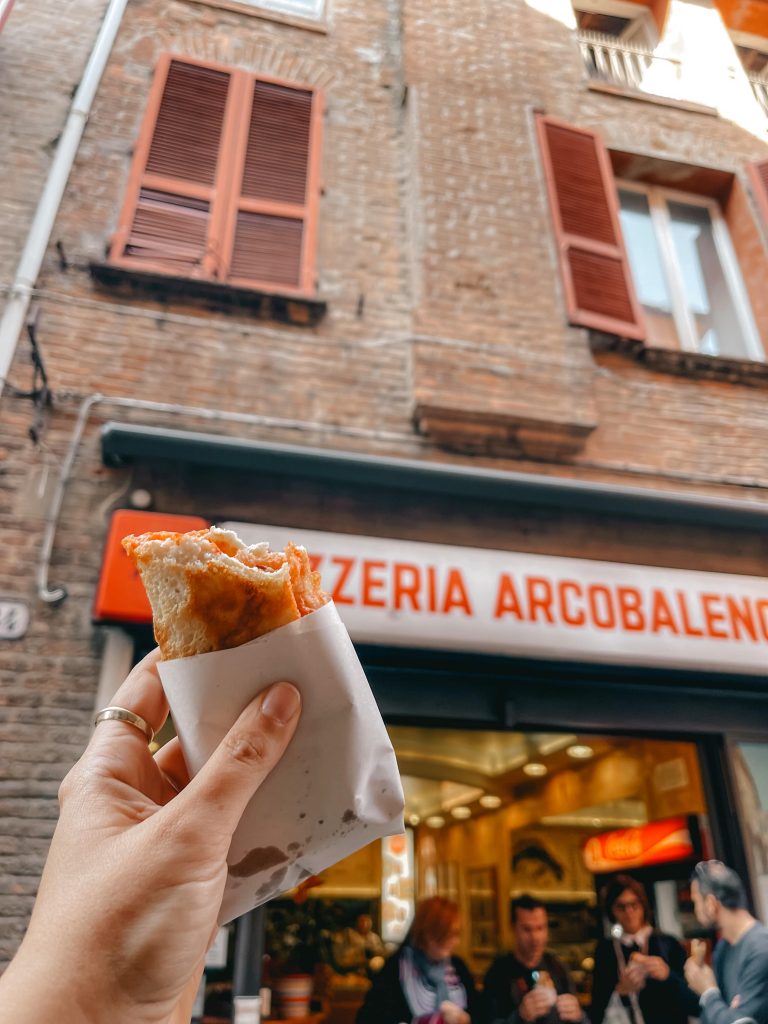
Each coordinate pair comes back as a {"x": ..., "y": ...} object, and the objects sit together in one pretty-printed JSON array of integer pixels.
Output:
[
  {"x": 707, "y": 994},
  {"x": 32, "y": 989},
  {"x": 38, "y": 986}
]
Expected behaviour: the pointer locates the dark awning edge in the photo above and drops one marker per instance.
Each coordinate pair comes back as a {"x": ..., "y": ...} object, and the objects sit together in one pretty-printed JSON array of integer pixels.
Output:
[{"x": 122, "y": 442}]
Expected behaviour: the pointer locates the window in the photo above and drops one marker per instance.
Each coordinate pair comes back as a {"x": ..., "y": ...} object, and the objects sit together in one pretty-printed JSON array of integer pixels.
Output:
[
  {"x": 649, "y": 264},
  {"x": 617, "y": 41},
  {"x": 301, "y": 8},
  {"x": 685, "y": 273},
  {"x": 753, "y": 54},
  {"x": 628, "y": 21},
  {"x": 225, "y": 180}
]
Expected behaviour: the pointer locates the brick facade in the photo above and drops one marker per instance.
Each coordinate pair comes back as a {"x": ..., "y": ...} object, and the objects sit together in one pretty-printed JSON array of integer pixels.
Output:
[{"x": 445, "y": 336}]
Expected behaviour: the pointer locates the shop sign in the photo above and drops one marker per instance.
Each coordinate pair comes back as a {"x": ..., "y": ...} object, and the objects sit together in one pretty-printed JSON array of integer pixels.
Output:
[
  {"x": 120, "y": 595},
  {"x": 407, "y": 593},
  {"x": 659, "y": 842}
]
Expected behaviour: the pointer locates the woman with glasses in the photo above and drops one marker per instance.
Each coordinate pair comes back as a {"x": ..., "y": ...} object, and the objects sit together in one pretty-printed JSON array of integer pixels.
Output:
[
  {"x": 638, "y": 975},
  {"x": 423, "y": 982}
]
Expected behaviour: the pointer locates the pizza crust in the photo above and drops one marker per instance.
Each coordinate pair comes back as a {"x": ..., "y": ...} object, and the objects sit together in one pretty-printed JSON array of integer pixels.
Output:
[{"x": 209, "y": 591}]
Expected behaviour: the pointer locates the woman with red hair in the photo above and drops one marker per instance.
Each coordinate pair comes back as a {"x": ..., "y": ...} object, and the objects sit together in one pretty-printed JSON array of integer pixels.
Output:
[{"x": 423, "y": 983}]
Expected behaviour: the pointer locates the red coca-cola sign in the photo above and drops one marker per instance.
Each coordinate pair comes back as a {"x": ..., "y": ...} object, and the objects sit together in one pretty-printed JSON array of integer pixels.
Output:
[{"x": 655, "y": 843}]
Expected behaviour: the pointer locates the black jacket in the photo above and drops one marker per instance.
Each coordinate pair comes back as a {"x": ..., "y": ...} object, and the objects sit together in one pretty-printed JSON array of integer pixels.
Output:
[
  {"x": 385, "y": 1002},
  {"x": 508, "y": 981},
  {"x": 661, "y": 1002}
]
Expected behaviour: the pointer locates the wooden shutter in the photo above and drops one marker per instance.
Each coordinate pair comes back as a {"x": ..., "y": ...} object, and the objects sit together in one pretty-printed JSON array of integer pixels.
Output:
[
  {"x": 273, "y": 223},
  {"x": 758, "y": 181},
  {"x": 175, "y": 191},
  {"x": 593, "y": 260}
]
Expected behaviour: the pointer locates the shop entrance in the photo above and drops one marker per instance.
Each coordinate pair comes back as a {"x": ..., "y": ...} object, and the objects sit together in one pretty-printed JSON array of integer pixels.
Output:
[{"x": 492, "y": 815}]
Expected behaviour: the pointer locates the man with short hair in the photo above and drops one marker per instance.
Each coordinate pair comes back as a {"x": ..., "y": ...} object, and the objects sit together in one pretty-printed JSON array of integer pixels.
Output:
[
  {"x": 530, "y": 985},
  {"x": 736, "y": 991}
]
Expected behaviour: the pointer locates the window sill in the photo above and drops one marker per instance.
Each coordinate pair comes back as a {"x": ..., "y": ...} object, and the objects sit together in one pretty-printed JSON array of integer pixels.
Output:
[
  {"x": 650, "y": 97},
  {"x": 695, "y": 365},
  {"x": 254, "y": 11},
  {"x": 212, "y": 295}
]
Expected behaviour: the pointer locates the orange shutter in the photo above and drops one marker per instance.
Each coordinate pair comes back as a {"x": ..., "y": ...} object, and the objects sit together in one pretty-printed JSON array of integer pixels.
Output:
[
  {"x": 593, "y": 261},
  {"x": 225, "y": 180},
  {"x": 172, "y": 199},
  {"x": 273, "y": 223},
  {"x": 758, "y": 180}
]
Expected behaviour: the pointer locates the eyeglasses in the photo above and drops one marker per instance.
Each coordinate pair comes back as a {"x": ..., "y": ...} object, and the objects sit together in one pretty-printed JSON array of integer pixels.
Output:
[{"x": 626, "y": 905}]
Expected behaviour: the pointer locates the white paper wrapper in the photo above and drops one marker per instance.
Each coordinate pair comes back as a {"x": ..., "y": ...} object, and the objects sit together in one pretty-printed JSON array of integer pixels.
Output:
[{"x": 336, "y": 789}]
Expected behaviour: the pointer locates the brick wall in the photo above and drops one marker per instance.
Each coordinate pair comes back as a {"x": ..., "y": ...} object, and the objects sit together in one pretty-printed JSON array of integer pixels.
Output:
[{"x": 437, "y": 261}]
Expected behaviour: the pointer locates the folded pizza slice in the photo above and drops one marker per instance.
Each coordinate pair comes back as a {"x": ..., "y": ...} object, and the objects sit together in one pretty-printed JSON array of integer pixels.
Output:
[{"x": 209, "y": 591}]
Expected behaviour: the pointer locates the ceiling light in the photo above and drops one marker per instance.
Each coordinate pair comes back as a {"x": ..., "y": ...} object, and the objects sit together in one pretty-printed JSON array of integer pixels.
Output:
[
  {"x": 462, "y": 813},
  {"x": 490, "y": 800},
  {"x": 435, "y": 821},
  {"x": 580, "y": 751},
  {"x": 535, "y": 769},
  {"x": 413, "y": 820}
]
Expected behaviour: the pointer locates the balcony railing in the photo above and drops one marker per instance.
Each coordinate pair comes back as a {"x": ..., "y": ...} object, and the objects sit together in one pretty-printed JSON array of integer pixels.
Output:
[
  {"x": 759, "y": 83},
  {"x": 628, "y": 65}
]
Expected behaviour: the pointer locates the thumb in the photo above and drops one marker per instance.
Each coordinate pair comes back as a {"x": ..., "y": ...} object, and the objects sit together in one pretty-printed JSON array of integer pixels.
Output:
[{"x": 220, "y": 792}]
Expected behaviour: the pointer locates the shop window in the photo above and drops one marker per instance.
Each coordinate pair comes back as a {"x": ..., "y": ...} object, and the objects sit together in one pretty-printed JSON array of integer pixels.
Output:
[
  {"x": 647, "y": 263},
  {"x": 685, "y": 273},
  {"x": 484, "y": 827},
  {"x": 224, "y": 185}
]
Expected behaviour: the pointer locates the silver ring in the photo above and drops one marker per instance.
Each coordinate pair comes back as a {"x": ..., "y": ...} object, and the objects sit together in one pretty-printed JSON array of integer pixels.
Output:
[{"x": 116, "y": 714}]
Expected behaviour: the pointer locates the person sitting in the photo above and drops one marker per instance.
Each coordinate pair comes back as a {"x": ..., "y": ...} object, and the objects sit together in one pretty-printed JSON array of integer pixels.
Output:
[
  {"x": 358, "y": 948},
  {"x": 639, "y": 971},
  {"x": 423, "y": 982},
  {"x": 530, "y": 984}
]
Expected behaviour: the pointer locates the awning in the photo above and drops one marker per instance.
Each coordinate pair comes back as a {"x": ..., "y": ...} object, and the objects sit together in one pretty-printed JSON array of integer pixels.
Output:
[{"x": 123, "y": 442}]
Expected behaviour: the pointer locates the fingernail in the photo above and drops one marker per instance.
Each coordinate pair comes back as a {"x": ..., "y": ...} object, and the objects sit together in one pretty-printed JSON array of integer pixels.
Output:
[{"x": 281, "y": 702}]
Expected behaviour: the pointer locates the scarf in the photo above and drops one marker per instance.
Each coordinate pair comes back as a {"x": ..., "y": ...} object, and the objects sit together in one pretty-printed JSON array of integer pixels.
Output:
[{"x": 426, "y": 984}]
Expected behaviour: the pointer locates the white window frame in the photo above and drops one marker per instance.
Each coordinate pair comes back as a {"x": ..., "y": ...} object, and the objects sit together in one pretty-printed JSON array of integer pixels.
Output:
[
  {"x": 312, "y": 10},
  {"x": 658, "y": 197}
]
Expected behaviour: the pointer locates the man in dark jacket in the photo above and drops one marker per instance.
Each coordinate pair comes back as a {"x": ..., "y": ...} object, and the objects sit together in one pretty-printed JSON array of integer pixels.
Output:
[
  {"x": 530, "y": 984},
  {"x": 736, "y": 991},
  {"x": 638, "y": 971}
]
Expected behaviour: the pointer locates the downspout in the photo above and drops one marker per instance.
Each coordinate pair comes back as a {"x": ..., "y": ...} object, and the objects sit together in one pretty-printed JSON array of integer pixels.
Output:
[
  {"x": 5, "y": 10},
  {"x": 20, "y": 295}
]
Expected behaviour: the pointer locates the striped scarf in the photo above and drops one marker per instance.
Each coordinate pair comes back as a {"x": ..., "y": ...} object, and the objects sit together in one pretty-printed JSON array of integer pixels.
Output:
[{"x": 426, "y": 985}]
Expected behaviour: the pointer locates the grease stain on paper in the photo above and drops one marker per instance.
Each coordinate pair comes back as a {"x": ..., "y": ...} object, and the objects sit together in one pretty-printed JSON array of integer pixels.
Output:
[{"x": 260, "y": 859}]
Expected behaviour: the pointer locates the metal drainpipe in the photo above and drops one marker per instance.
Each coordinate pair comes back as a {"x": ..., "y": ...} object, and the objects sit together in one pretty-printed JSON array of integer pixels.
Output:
[
  {"x": 16, "y": 307},
  {"x": 53, "y": 595}
]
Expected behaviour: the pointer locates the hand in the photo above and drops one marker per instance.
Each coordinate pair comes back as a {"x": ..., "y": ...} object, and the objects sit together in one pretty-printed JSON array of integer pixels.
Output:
[
  {"x": 700, "y": 977},
  {"x": 631, "y": 980},
  {"x": 134, "y": 879},
  {"x": 453, "y": 1014},
  {"x": 535, "y": 1004},
  {"x": 653, "y": 966},
  {"x": 568, "y": 1007}
]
